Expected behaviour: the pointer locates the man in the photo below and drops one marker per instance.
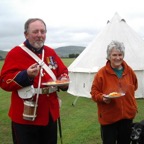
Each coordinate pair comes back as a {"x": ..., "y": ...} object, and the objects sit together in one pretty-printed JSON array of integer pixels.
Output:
[{"x": 19, "y": 72}]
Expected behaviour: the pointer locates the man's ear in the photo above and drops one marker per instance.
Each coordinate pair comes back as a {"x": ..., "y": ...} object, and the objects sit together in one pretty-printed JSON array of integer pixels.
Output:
[{"x": 25, "y": 34}]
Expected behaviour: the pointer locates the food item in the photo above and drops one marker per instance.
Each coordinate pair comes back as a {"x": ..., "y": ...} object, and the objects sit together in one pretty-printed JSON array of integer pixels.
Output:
[
  {"x": 52, "y": 82},
  {"x": 58, "y": 82},
  {"x": 115, "y": 94},
  {"x": 61, "y": 81}
]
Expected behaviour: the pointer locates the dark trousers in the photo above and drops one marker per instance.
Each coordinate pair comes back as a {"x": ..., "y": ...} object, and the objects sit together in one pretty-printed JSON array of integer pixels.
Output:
[
  {"x": 32, "y": 134},
  {"x": 116, "y": 133}
]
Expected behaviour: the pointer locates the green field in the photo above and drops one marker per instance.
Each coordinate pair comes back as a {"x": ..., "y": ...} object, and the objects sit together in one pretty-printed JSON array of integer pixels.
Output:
[{"x": 79, "y": 122}]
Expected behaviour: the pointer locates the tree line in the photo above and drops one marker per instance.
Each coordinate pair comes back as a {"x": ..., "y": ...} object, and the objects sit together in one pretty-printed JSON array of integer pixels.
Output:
[{"x": 73, "y": 55}]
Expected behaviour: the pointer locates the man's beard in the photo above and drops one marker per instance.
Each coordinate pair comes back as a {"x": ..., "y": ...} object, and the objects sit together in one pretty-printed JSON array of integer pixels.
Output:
[{"x": 38, "y": 45}]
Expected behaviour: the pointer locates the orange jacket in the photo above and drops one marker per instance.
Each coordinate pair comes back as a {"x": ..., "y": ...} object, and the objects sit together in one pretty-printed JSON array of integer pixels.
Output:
[{"x": 105, "y": 82}]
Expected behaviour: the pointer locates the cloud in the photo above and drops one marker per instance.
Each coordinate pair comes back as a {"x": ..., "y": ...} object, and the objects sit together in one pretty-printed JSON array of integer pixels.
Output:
[{"x": 69, "y": 22}]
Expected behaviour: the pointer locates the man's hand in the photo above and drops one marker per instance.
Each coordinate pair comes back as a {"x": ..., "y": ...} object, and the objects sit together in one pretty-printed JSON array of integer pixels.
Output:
[
  {"x": 64, "y": 77},
  {"x": 33, "y": 70}
]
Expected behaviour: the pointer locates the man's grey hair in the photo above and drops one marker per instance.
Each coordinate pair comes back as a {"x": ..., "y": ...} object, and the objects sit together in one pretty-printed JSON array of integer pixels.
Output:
[
  {"x": 31, "y": 20},
  {"x": 117, "y": 45}
]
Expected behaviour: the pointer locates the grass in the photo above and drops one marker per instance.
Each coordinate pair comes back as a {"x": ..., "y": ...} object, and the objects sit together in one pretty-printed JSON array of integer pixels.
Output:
[{"x": 79, "y": 122}]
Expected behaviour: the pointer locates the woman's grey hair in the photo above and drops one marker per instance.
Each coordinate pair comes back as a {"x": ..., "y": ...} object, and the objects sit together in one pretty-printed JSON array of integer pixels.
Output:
[
  {"x": 117, "y": 45},
  {"x": 29, "y": 21}
]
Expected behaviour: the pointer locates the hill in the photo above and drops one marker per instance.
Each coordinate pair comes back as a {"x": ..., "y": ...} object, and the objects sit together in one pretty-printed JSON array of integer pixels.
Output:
[
  {"x": 61, "y": 51},
  {"x": 3, "y": 54},
  {"x": 66, "y": 50}
]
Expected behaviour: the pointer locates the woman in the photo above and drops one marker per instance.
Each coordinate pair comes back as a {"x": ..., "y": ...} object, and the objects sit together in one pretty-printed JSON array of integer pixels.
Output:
[{"x": 115, "y": 115}]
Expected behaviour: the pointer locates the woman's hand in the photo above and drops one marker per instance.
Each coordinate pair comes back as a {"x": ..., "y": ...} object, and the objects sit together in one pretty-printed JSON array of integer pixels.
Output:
[{"x": 106, "y": 99}]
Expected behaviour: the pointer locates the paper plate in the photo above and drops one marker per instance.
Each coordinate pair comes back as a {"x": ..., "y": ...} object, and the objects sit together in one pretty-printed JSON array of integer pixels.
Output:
[
  {"x": 56, "y": 83},
  {"x": 120, "y": 95}
]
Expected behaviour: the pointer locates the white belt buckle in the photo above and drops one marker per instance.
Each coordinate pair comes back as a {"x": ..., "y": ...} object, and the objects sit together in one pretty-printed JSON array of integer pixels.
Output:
[{"x": 46, "y": 90}]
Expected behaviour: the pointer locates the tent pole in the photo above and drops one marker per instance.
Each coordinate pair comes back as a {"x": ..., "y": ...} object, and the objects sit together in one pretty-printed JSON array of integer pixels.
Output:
[{"x": 74, "y": 102}]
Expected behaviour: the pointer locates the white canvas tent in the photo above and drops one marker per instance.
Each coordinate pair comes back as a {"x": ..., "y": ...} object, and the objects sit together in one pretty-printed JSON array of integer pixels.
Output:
[{"x": 86, "y": 65}]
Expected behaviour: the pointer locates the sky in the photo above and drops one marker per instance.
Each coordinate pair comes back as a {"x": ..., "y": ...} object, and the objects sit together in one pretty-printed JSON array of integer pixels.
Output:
[{"x": 69, "y": 22}]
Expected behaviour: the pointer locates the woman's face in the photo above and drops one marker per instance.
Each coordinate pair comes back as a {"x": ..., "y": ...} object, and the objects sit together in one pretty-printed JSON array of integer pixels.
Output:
[
  {"x": 36, "y": 34},
  {"x": 116, "y": 58}
]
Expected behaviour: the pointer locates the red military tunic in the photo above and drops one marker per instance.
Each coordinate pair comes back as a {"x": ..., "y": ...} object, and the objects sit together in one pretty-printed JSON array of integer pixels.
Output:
[{"x": 18, "y": 60}]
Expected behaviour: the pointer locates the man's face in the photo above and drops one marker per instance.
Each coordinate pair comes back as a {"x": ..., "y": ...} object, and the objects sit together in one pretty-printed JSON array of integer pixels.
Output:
[{"x": 36, "y": 34}]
